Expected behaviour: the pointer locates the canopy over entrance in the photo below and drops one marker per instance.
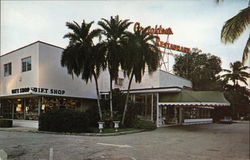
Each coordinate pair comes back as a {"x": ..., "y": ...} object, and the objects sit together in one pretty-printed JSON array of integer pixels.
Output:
[{"x": 194, "y": 98}]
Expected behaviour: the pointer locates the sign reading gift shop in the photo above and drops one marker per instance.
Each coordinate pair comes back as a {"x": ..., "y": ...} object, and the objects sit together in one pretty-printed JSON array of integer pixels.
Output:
[
  {"x": 38, "y": 90},
  {"x": 160, "y": 30}
]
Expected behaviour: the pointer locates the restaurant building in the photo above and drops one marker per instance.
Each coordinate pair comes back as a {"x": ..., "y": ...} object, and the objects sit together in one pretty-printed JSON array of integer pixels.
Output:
[{"x": 32, "y": 81}]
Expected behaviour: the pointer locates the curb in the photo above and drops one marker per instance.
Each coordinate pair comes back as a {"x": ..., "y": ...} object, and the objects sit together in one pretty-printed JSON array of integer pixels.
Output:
[{"x": 75, "y": 134}]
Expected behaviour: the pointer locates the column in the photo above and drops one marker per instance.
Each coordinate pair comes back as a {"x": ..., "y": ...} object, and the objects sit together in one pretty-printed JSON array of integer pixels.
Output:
[
  {"x": 13, "y": 110},
  {"x": 152, "y": 107},
  {"x": 39, "y": 106},
  {"x": 180, "y": 115},
  {"x": 146, "y": 105},
  {"x": 133, "y": 96},
  {"x": 175, "y": 114},
  {"x": 24, "y": 108},
  {"x": 157, "y": 110}
]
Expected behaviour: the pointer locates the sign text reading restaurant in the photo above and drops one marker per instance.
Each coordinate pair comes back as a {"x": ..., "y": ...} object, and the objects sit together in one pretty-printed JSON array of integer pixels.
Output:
[{"x": 158, "y": 42}]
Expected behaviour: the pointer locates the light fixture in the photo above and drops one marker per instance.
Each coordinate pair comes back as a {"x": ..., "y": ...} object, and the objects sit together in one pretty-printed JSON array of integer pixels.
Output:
[
  {"x": 19, "y": 108},
  {"x": 43, "y": 107}
]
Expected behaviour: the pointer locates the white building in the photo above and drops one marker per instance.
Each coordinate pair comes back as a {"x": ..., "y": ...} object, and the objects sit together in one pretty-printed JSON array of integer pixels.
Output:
[{"x": 33, "y": 80}]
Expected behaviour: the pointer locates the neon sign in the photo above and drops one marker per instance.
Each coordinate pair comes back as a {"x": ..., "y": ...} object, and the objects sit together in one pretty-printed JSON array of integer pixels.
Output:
[
  {"x": 156, "y": 30},
  {"x": 159, "y": 43},
  {"x": 160, "y": 30}
]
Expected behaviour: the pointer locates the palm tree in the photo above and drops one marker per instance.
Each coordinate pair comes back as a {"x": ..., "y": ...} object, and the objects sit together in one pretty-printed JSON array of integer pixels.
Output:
[
  {"x": 82, "y": 57},
  {"x": 237, "y": 74},
  {"x": 115, "y": 32},
  {"x": 234, "y": 27},
  {"x": 141, "y": 53}
]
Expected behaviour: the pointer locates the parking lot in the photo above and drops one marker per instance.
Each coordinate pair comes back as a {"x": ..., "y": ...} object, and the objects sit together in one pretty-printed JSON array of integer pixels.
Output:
[{"x": 199, "y": 142}]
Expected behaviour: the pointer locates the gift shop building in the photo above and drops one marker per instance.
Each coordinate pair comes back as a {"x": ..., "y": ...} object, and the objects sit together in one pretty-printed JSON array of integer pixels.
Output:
[{"x": 32, "y": 81}]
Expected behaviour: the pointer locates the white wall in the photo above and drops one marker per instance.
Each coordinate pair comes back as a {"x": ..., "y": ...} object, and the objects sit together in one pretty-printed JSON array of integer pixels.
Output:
[
  {"x": 148, "y": 81},
  {"x": 19, "y": 79},
  {"x": 53, "y": 76},
  {"x": 157, "y": 79},
  {"x": 47, "y": 72}
]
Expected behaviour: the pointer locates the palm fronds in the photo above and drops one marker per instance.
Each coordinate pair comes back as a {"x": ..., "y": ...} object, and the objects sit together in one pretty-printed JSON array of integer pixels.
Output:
[{"x": 235, "y": 26}]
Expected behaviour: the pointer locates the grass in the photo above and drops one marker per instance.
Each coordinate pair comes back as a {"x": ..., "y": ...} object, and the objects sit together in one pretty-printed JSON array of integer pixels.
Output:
[{"x": 112, "y": 130}]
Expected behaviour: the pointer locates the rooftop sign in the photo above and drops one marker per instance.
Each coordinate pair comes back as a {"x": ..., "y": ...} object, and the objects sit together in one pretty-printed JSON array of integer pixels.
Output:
[
  {"x": 160, "y": 30},
  {"x": 156, "y": 30}
]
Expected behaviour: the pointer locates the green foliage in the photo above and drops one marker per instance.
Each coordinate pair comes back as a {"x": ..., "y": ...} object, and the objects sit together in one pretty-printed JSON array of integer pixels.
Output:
[
  {"x": 82, "y": 57},
  {"x": 118, "y": 104},
  {"x": 237, "y": 74},
  {"x": 131, "y": 115},
  {"x": 219, "y": 113},
  {"x": 63, "y": 120},
  {"x": 143, "y": 124},
  {"x": 115, "y": 31},
  {"x": 234, "y": 27},
  {"x": 140, "y": 52},
  {"x": 201, "y": 69},
  {"x": 238, "y": 96},
  {"x": 6, "y": 123},
  {"x": 92, "y": 114},
  {"x": 118, "y": 101}
]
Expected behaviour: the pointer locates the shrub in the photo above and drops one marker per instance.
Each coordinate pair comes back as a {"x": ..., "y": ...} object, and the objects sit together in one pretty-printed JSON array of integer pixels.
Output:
[
  {"x": 6, "y": 123},
  {"x": 143, "y": 124},
  {"x": 93, "y": 116},
  {"x": 63, "y": 120},
  {"x": 131, "y": 116}
]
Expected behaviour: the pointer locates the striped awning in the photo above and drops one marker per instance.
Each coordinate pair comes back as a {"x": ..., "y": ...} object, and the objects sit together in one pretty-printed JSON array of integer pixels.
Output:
[{"x": 193, "y": 98}]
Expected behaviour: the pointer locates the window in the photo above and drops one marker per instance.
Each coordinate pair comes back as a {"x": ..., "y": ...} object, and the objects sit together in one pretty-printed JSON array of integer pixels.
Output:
[
  {"x": 26, "y": 64},
  {"x": 7, "y": 69}
]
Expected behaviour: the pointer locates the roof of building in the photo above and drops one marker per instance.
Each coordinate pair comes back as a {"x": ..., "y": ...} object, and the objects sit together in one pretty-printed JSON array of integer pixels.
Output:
[
  {"x": 30, "y": 45},
  {"x": 194, "y": 98}
]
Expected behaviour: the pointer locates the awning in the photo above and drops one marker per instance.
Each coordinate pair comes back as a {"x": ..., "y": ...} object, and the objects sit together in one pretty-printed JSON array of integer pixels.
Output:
[{"x": 194, "y": 98}]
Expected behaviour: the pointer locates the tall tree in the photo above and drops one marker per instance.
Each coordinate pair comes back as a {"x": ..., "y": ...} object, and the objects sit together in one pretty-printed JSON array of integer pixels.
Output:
[
  {"x": 141, "y": 52},
  {"x": 237, "y": 74},
  {"x": 234, "y": 27},
  {"x": 202, "y": 69},
  {"x": 115, "y": 32},
  {"x": 82, "y": 57}
]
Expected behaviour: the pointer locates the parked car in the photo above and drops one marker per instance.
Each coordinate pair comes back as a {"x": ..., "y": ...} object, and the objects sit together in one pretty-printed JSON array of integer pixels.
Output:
[{"x": 227, "y": 120}]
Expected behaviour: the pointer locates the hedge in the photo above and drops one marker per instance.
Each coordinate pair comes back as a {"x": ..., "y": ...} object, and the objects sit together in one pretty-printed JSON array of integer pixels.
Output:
[
  {"x": 6, "y": 123},
  {"x": 144, "y": 124},
  {"x": 63, "y": 120}
]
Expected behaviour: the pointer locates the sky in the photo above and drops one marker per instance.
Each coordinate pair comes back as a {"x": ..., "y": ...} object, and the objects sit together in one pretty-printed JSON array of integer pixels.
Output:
[{"x": 195, "y": 23}]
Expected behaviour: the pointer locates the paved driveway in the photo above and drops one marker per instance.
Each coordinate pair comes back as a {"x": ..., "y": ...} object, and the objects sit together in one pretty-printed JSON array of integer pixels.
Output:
[{"x": 198, "y": 142}]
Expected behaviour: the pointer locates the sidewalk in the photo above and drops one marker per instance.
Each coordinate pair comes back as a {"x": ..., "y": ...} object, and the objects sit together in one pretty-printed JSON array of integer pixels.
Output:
[{"x": 35, "y": 130}]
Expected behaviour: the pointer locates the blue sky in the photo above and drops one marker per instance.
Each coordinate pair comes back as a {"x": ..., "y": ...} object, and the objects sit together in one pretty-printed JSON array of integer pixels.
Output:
[{"x": 195, "y": 23}]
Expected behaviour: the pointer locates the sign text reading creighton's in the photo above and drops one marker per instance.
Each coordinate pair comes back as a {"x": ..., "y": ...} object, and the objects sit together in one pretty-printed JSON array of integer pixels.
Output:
[
  {"x": 160, "y": 30},
  {"x": 38, "y": 90}
]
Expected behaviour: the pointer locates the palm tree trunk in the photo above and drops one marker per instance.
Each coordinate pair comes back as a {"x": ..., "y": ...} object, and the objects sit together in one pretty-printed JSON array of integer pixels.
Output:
[
  {"x": 127, "y": 97},
  {"x": 98, "y": 97},
  {"x": 110, "y": 98}
]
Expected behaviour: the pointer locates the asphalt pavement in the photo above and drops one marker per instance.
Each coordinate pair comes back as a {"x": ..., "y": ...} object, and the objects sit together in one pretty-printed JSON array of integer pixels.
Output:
[{"x": 196, "y": 142}]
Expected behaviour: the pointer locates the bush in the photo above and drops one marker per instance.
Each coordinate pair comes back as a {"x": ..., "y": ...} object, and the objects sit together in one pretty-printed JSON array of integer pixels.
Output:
[
  {"x": 63, "y": 120},
  {"x": 131, "y": 116},
  {"x": 143, "y": 124},
  {"x": 6, "y": 123},
  {"x": 93, "y": 116}
]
